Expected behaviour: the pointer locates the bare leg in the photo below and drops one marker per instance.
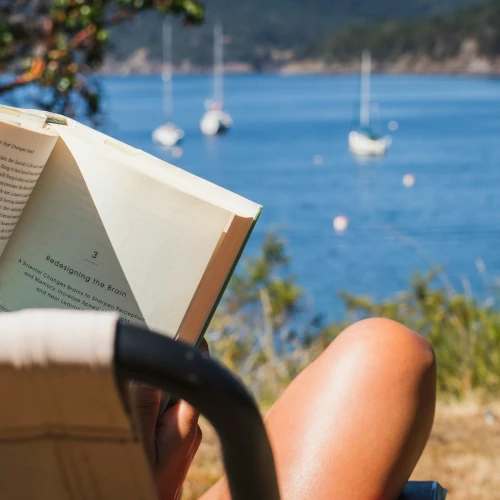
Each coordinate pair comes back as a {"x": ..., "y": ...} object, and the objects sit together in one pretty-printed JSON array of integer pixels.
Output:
[{"x": 354, "y": 424}]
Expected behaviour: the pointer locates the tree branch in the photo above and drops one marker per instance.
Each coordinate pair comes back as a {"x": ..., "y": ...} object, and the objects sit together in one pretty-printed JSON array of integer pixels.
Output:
[
  {"x": 36, "y": 71},
  {"x": 62, "y": 43}
]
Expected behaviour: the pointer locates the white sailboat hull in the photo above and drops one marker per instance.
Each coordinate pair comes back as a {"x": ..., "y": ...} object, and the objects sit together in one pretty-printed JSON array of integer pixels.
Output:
[
  {"x": 168, "y": 135},
  {"x": 363, "y": 142},
  {"x": 215, "y": 122},
  {"x": 364, "y": 146}
]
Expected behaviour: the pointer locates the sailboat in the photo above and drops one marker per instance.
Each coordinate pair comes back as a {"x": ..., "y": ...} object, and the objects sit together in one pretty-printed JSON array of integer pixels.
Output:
[
  {"x": 364, "y": 141},
  {"x": 167, "y": 134},
  {"x": 215, "y": 120}
]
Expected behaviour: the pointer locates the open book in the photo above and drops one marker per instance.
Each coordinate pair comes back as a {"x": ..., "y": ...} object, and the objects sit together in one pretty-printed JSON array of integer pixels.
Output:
[{"x": 87, "y": 222}]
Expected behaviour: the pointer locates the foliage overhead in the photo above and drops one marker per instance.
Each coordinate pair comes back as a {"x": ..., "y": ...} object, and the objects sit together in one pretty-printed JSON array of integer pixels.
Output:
[{"x": 58, "y": 44}]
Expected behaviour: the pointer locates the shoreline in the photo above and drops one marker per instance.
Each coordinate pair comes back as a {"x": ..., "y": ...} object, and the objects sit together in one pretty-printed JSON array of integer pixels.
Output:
[
  {"x": 422, "y": 65},
  {"x": 291, "y": 74}
]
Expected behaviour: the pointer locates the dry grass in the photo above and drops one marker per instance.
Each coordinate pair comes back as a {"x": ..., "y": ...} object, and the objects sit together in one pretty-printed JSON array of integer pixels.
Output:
[{"x": 463, "y": 454}]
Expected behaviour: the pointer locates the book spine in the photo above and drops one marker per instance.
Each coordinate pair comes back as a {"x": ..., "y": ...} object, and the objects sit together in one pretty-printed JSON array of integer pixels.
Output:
[{"x": 228, "y": 279}]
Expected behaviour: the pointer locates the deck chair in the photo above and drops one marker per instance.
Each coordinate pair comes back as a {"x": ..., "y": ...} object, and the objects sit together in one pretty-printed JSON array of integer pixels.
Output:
[{"x": 67, "y": 430}]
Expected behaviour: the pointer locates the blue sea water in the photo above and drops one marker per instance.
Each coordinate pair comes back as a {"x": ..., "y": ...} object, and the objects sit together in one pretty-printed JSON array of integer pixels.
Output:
[{"x": 448, "y": 138}]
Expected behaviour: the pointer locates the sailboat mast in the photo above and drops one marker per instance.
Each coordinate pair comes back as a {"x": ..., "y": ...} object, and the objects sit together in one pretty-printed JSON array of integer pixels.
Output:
[
  {"x": 366, "y": 63},
  {"x": 167, "y": 70},
  {"x": 218, "y": 63}
]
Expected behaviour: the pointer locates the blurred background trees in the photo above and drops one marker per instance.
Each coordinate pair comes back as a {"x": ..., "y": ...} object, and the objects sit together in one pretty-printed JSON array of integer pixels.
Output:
[
  {"x": 59, "y": 44},
  {"x": 437, "y": 37}
]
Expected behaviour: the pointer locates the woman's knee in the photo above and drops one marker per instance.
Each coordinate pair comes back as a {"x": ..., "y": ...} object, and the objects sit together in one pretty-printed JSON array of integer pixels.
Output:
[
  {"x": 391, "y": 373},
  {"x": 391, "y": 352}
]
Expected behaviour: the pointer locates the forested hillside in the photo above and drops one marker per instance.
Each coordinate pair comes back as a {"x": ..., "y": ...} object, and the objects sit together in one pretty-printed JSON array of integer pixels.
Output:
[
  {"x": 262, "y": 32},
  {"x": 472, "y": 31}
]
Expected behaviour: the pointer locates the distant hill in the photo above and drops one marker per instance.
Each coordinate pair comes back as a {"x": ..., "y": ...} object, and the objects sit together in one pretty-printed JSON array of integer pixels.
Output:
[
  {"x": 467, "y": 40},
  {"x": 267, "y": 32}
]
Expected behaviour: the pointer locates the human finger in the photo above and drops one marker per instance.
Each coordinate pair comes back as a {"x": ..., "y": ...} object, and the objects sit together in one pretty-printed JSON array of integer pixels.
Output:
[{"x": 177, "y": 431}]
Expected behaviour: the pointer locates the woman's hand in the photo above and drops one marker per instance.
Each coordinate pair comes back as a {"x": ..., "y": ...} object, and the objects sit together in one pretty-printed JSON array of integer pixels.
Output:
[{"x": 171, "y": 440}]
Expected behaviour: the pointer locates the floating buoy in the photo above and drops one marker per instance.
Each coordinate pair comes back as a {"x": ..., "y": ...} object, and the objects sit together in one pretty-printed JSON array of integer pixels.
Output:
[
  {"x": 177, "y": 152},
  {"x": 393, "y": 125},
  {"x": 318, "y": 160},
  {"x": 409, "y": 180},
  {"x": 340, "y": 224}
]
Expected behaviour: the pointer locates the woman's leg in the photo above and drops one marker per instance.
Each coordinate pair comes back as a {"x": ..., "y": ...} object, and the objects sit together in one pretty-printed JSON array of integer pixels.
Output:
[{"x": 354, "y": 424}]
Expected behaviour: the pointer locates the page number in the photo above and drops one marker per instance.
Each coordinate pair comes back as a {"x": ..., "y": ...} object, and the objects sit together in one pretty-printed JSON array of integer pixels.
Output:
[{"x": 94, "y": 255}]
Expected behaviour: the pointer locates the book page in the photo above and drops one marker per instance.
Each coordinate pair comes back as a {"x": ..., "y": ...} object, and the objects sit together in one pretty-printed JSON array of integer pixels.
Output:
[
  {"x": 100, "y": 234},
  {"x": 174, "y": 176},
  {"x": 59, "y": 254},
  {"x": 23, "y": 154}
]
